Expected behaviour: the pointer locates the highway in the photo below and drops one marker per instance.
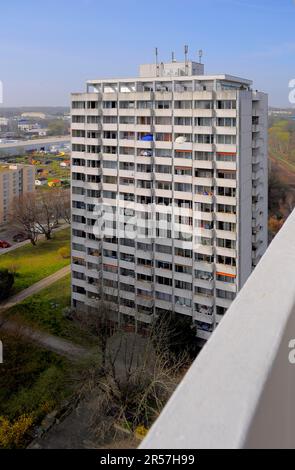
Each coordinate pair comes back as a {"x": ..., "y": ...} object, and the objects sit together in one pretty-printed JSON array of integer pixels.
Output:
[{"x": 16, "y": 148}]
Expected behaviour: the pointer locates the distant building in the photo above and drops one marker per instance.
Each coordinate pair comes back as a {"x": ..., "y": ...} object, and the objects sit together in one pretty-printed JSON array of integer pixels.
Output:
[
  {"x": 3, "y": 122},
  {"x": 26, "y": 125},
  {"x": 15, "y": 180},
  {"x": 33, "y": 115}
]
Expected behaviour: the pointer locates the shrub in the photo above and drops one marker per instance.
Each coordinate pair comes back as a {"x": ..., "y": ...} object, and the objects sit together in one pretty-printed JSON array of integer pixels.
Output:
[
  {"x": 64, "y": 252},
  {"x": 6, "y": 283},
  {"x": 12, "y": 434}
]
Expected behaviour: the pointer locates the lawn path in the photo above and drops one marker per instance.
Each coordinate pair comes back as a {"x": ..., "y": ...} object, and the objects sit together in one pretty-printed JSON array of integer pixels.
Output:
[
  {"x": 51, "y": 342},
  {"x": 47, "y": 281}
]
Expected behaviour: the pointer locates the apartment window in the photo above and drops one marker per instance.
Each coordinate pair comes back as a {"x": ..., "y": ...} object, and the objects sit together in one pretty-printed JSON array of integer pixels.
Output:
[
  {"x": 163, "y": 104},
  {"x": 164, "y": 296},
  {"x": 163, "y": 121},
  {"x": 142, "y": 168},
  {"x": 226, "y": 104},
  {"x": 225, "y": 278},
  {"x": 183, "y": 302},
  {"x": 78, "y": 148},
  {"x": 165, "y": 185},
  {"x": 182, "y": 285},
  {"x": 226, "y": 122},
  {"x": 203, "y": 291},
  {"x": 203, "y": 121},
  {"x": 127, "y": 287},
  {"x": 203, "y": 275},
  {"x": 78, "y": 104},
  {"x": 144, "y": 104},
  {"x": 127, "y": 104},
  {"x": 183, "y": 171},
  {"x": 127, "y": 272},
  {"x": 109, "y": 104},
  {"x": 185, "y": 253},
  {"x": 109, "y": 119},
  {"x": 127, "y": 119},
  {"x": 163, "y": 169},
  {"x": 164, "y": 249},
  {"x": 224, "y": 243},
  {"x": 93, "y": 119},
  {"x": 222, "y": 294},
  {"x": 230, "y": 175},
  {"x": 185, "y": 187},
  {"x": 179, "y": 268},
  {"x": 78, "y": 119},
  {"x": 110, "y": 164},
  {"x": 165, "y": 281},
  {"x": 226, "y": 209},
  {"x": 127, "y": 257},
  {"x": 92, "y": 104},
  {"x": 184, "y": 104},
  {"x": 164, "y": 265},
  {"x": 182, "y": 121},
  {"x": 200, "y": 257},
  {"x": 205, "y": 138},
  {"x": 109, "y": 150},
  {"x": 230, "y": 227},
  {"x": 203, "y": 104},
  {"x": 228, "y": 192},
  {"x": 226, "y": 139},
  {"x": 144, "y": 277},
  {"x": 227, "y": 260}
]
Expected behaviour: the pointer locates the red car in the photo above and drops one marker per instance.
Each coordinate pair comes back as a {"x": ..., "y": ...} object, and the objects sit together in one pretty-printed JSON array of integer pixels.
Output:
[{"x": 4, "y": 244}]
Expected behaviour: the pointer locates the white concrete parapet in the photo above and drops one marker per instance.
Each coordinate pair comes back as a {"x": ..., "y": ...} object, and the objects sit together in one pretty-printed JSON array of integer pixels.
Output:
[{"x": 240, "y": 391}]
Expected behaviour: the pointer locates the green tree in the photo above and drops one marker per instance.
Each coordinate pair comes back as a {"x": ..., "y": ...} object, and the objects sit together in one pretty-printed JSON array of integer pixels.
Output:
[{"x": 6, "y": 283}]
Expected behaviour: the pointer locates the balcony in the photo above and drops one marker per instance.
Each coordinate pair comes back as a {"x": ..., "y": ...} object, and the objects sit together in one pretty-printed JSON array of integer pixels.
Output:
[{"x": 239, "y": 392}]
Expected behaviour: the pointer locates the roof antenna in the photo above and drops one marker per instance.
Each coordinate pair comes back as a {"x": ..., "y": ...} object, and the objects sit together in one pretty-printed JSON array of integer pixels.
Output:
[
  {"x": 157, "y": 63},
  {"x": 200, "y": 55},
  {"x": 185, "y": 59}
]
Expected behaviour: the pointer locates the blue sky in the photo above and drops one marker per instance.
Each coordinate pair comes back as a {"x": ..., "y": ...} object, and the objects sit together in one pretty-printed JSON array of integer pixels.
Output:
[{"x": 49, "y": 48}]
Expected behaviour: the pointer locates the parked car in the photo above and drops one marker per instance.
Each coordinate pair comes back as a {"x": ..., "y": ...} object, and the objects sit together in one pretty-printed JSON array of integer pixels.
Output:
[
  {"x": 19, "y": 237},
  {"x": 4, "y": 244}
]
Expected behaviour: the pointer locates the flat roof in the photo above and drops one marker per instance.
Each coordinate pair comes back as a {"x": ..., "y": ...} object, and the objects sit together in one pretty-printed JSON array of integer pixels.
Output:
[{"x": 229, "y": 78}]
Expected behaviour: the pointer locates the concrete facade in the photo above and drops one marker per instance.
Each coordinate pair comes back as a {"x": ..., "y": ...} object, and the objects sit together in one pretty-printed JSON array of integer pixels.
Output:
[{"x": 15, "y": 180}]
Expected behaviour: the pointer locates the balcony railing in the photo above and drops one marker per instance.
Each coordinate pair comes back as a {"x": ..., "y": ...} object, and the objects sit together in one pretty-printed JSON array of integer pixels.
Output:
[{"x": 240, "y": 391}]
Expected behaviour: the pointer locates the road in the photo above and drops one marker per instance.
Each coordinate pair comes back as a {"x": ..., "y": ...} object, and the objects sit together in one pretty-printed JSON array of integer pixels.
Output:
[
  {"x": 53, "y": 343},
  {"x": 11, "y": 149}
]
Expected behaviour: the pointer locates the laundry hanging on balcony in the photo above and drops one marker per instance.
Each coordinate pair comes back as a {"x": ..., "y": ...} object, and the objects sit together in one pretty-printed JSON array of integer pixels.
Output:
[{"x": 147, "y": 138}]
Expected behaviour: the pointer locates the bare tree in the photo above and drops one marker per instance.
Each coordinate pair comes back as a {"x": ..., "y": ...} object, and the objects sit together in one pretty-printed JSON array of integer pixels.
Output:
[
  {"x": 62, "y": 203},
  {"x": 24, "y": 214},
  {"x": 136, "y": 377},
  {"x": 46, "y": 214}
]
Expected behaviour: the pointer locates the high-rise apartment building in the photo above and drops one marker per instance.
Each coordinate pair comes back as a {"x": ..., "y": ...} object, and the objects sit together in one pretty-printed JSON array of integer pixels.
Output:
[
  {"x": 169, "y": 192},
  {"x": 15, "y": 180}
]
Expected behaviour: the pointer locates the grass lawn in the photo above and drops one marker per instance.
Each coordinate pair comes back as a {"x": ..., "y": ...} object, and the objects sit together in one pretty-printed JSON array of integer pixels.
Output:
[
  {"x": 33, "y": 263},
  {"x": 33, "y": 382},
  {"x": 45, "y": 310}
]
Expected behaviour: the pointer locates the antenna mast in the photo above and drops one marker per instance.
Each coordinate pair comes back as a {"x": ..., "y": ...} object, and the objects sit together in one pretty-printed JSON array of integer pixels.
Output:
[
  {"x": 200, "y": 55},
  {"x": 185, "y": 59},
  {"x": 157, "y": 63}
]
